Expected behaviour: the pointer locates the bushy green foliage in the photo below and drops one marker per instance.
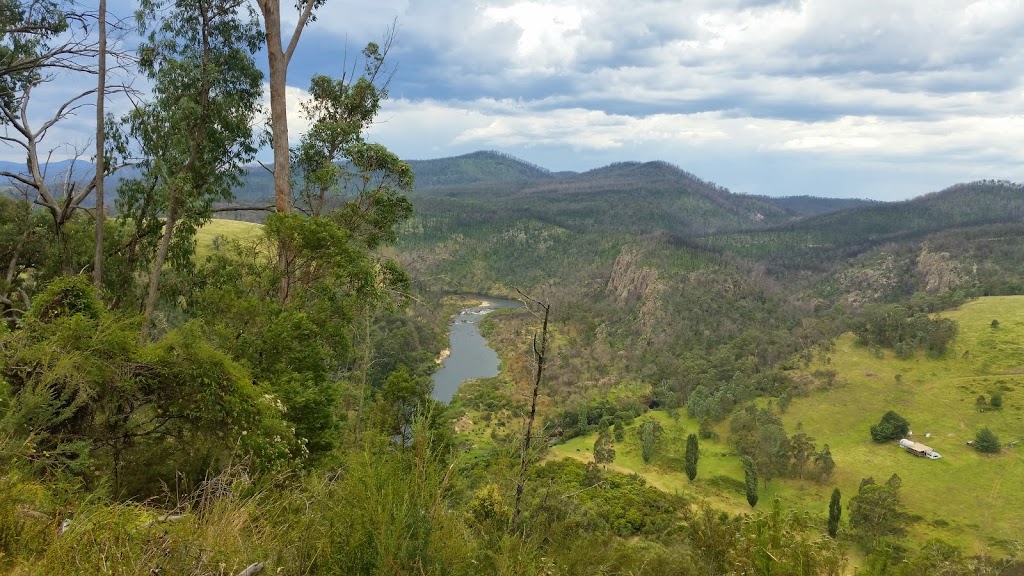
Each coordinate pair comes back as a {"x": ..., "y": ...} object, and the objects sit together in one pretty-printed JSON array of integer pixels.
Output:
[
  {"x": 604, "y": 447},
  {"x": 905, "y": 330},
  {"x": 876, "y": 512},
  {"x": 66, "y": 297},
  {"x": 619, "y": 504},
  {"x": 649, "y": 432},
  {"x": 986, "y": 441},
  {"x": 891, "y": 427},
  {"x": 996, "y": 401},
  {"x": 99, "y": 404},
  {"x": 824, "y": 465}
]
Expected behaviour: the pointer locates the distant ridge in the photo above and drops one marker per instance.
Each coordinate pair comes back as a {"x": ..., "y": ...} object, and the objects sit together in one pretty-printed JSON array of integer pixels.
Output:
[
  {"x": 491, "y": 174},
  {"x": 477, "y": 167}
]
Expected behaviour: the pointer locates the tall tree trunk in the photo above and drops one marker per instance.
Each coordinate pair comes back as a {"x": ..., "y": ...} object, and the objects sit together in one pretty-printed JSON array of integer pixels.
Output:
[
  {"x": 278, "y": 57},
  {"x": 278, "y": 106},
  {"x": 101, "y": 213},
  {"x": 158, "y": 265},
  {"x": 540, "y": 354}
]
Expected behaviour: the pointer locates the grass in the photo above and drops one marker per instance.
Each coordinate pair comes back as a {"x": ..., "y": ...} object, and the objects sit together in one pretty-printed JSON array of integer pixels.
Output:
[
  {"x": 719, "y": 471},
  {"x": 208, "y": 237},
  {"x": 966, "y": 498}
]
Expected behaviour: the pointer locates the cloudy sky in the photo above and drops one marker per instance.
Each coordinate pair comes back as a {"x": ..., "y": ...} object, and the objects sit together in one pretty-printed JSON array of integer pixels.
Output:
[{"x": 886, "y": 99}]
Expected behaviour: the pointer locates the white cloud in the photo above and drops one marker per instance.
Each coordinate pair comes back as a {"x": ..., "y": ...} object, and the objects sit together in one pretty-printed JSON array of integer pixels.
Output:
[{"x": 886, "y": 88}]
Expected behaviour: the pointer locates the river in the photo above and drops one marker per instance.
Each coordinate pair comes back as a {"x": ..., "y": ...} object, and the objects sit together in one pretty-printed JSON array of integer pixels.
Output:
[{"x": 470, "y": 356}]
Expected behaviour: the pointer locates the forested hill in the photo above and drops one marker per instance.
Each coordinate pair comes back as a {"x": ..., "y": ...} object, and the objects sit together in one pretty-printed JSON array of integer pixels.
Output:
[
  {"x": 975, "y": 203},
  {"x": 688, "y": 202},
  {"x": 484, "y": 167},
  {"x": 815, "y": 205},
  {"x": 490, "y": 174},
  {"x": 961, "y": 220}
]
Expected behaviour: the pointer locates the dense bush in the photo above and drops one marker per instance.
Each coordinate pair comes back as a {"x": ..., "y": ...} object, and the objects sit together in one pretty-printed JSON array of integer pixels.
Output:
[
  {"x": 986, "y": 441},
  {"x": 905, "y": 330},
  {"x": 891, "y": 427}
]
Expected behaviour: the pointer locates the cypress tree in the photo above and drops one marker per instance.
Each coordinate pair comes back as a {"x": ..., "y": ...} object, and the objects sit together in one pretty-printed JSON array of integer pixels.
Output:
[
  {"x": 751, "y": 476},
  {"x": 692, "y": 455},
  {"x": 835, "y": 511}
]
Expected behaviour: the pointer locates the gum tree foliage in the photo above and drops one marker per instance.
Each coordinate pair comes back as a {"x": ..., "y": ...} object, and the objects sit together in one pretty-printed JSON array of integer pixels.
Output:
[
  {"x": 803, "y": 450},
  {"x": 319, "y": 272},
  {"x": 824, "y": 465},
  {"x": 357, "y": 185},
  {"x": 905, "y": 329},
  {"x": 27, "y": 33},
  {"x": 649, "y": 432},
  {"x": 604, "y": 446},
  {"x": 403, "y": 396},
  {"x": 876, "y": 512},
  {"x": 759, "y": 435},
  {"x": 195, "y": 136},
  {"x": 891, "y": 427}
]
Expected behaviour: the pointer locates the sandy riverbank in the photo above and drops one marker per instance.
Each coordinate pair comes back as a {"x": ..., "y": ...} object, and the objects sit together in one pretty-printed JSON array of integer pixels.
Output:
[{"x": 443, "y": 355}]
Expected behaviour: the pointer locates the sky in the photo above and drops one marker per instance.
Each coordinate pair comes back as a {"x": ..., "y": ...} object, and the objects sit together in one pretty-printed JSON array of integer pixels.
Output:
[{"x": 885, "y": 99}]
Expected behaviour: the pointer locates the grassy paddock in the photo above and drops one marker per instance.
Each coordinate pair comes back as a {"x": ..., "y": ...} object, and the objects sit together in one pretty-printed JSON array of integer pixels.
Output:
[
  {"x": 208, "y": 235},
  {"x": 966, "y": 498},
  {"x": 971, "y": 499}
]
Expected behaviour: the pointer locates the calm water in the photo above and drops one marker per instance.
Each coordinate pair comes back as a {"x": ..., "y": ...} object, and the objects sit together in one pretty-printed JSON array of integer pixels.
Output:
[{"x": 470, "y": 357}]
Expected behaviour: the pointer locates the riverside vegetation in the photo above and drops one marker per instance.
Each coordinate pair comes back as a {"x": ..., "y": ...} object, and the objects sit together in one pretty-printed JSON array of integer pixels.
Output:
[{"x": 227, "y": 398}]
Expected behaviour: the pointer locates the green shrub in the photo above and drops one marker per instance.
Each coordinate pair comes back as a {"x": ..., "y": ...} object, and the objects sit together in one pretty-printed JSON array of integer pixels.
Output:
[
  {"x": 986, "y": 441},
  {"x": 890, "y": 427}
]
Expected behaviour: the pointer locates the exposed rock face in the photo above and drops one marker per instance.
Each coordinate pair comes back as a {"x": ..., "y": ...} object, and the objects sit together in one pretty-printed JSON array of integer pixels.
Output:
[
  {"x": 938, "y": 271},
  {"x": 629, "y": 282},
  {"x": 871, "y": 283}
]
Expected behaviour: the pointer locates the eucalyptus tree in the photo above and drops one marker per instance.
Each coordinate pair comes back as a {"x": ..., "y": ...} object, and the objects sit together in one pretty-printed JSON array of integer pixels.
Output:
[
  {"x": 350, "y": 184},
  {"x": 30, "y": 39},
  {"x": 195, "y": 135},
  {"x": 279, "y": 56}
]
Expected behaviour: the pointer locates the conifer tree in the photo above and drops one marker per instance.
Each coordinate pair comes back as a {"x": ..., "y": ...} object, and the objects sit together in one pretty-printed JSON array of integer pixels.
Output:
[
  {"x": 835, "y": 511},
  {"x": 750, "y": 474},
  {"x": 692, "y": 455}
]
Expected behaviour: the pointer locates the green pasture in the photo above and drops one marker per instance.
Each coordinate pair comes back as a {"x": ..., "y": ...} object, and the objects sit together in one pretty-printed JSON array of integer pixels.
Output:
[
  {"x": 973, "y": 500},
  {"x": 968, "y": 498},
  {"x": 218, "y": 230}
]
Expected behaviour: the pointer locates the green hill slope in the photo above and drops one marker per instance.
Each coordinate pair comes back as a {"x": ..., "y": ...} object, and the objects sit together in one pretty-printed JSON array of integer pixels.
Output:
[{"x": 966, "y": 498}]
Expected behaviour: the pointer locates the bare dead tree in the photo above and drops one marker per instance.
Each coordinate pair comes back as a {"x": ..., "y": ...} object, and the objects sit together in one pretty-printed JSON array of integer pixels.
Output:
[
  {"x": 101, "y": 94},
  {"x": 540, "y": 356},
  {"x": 66, "y": 46}
]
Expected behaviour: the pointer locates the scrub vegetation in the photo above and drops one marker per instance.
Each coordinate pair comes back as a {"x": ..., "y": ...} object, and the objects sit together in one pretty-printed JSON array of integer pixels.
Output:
[{"x": 186, "y": 395}]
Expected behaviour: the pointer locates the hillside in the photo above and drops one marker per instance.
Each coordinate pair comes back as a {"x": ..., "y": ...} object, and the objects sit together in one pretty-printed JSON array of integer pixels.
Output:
[
  {"x": 485, "y": 167},
  {"x": 981, "y": 495},
  {"x": 818, "y": 242},
  {"x": 488, "y": 174}
]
